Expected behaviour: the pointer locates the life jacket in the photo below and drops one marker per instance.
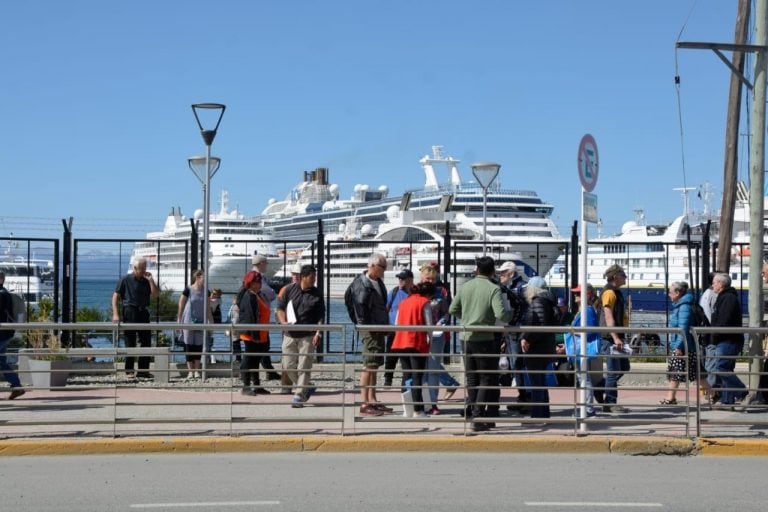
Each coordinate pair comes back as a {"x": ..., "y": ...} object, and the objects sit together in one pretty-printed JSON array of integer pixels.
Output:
[
  {"x": 411, "y": 312},
  {"x": 618, "y": 312},
  {"x": 262, "y": 315}
]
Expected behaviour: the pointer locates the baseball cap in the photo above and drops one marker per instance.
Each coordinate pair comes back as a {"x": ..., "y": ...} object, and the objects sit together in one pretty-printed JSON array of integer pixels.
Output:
[
  {"x": 296, "y": 268},
  {"x": 507, "y": 266},
  {"x": 590, "y": 289},
  {"x": 405, "y": 274},
  {"x": 258, "y": 258}
]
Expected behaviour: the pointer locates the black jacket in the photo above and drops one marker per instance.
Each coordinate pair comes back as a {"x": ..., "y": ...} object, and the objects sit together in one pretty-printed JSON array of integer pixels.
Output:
[
  {"x": 727, "y": 313},
  {"x": 541, "y": 313}
]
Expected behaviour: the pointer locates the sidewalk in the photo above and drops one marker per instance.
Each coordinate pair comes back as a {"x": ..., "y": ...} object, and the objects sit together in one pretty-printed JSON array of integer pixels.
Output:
[{"x": 135, "y": 417}]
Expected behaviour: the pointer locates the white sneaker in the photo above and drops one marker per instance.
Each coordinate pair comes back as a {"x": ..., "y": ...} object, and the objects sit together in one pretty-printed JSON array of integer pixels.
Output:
[
  {"x": 190, "y": 376},
  {"x": 419, "y": 414},
  {"x": 197, "y": 375}
]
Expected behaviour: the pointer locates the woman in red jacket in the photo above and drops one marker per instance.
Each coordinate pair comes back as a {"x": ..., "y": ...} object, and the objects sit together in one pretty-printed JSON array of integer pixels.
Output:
[{"x": 413, "y": 346}]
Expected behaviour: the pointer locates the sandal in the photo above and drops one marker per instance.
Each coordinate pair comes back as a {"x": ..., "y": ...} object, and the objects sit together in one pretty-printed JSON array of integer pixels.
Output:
[{"x": 666, "y": 401}]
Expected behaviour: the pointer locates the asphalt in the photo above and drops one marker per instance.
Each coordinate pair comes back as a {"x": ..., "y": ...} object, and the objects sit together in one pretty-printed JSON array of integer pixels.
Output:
[{"x": 108, "y": 416}]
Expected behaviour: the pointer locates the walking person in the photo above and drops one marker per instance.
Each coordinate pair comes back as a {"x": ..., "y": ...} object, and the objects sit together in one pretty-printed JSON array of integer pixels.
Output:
[
  {"x": 613, "y": 313},
  {"x": 7, "y": 316},
  {"x": 134, "y": 293},
  {"x": 394, "y": 298},
  {"x": 413, "y": 346},
  {"x": 190, "y": 311},
  {"x": 683, "y": 363},
  {"x": 370, "y": 308},
  {"x": 478, "y": 302},
  {"x": 286, "y": 384},
  {"x": 593, "y": 376},
  {"x": 707, "y": 303},
  {"x": 254, "y": 309},
  {"x": 727, "y": 313},
  {"x": 300, "y": 303}
]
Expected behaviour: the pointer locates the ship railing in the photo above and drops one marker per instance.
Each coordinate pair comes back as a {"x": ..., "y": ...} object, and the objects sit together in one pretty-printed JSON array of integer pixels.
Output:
[{"x": 96, "y": 397}]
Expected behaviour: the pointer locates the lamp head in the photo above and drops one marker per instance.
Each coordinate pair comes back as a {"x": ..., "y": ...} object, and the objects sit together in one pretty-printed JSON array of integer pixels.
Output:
[{"x": 210, "y": 111}]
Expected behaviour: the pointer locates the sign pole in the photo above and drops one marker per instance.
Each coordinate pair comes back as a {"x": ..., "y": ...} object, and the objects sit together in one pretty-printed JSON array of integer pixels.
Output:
[{"x": 587, "y": 164}]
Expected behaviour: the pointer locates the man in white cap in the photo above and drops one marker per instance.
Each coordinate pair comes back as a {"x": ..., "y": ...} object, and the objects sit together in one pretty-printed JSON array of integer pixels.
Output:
[
  {"x": 511, "y": 294},
  {"x": 260, "y": 264}
]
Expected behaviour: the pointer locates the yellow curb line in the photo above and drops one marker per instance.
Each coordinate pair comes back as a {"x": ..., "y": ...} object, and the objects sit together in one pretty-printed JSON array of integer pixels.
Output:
[
  {"x": 733, "y": 447},
  {"x": 373, "y": 444}
]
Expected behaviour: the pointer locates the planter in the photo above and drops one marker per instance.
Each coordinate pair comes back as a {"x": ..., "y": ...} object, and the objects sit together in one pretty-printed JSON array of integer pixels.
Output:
[{"x": 48, "y": 374}]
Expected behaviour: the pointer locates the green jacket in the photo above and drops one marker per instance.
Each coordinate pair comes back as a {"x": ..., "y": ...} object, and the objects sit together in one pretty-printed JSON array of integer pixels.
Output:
[{"x": 478, "y": 302}]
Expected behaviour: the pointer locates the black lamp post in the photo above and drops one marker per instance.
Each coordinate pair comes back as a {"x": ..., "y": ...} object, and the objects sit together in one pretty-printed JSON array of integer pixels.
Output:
[
  {"x": 212, "y": 114},
  {"x": 485, "y": 174}
]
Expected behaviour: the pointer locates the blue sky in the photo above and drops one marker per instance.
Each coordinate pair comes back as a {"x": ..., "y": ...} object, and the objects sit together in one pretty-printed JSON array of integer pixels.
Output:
[{"x": 96, "y": 120}]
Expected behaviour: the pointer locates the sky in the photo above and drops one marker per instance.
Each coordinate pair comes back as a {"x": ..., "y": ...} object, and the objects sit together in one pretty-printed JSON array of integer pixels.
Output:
[{"x": 96, "y": 122}]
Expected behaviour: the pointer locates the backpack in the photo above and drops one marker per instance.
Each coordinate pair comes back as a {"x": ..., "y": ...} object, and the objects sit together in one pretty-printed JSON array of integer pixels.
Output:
[{"x": 699, "y": 319}]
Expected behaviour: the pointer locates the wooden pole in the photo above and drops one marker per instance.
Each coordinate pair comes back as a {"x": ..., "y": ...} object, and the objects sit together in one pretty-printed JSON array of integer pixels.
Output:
[
  {"x": 730, "y": 171},
  {"x": 756, "y": 192}
]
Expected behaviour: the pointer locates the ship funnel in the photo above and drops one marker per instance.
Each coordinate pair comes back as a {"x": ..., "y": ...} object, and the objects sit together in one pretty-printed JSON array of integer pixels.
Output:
[{"x": 429, "y": 172}]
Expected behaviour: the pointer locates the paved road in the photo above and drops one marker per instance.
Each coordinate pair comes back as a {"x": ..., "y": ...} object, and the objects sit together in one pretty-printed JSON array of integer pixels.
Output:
[{"x": 381, "y": 482}]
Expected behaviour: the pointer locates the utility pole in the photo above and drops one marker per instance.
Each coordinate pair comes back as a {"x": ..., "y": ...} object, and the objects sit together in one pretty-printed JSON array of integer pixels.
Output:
[
  {"x": 730, "y": 171},
  {"x": 756, "y": 193}
]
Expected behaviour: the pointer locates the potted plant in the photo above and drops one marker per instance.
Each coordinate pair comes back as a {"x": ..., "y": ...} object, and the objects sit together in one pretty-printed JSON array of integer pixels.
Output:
[{"x": 45, "y": 364}]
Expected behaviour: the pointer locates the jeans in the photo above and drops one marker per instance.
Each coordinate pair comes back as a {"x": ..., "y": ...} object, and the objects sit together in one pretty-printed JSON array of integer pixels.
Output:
[
  {"x": 710, "y": 365},
  {"x": 413, "y": 364},
  {"x": 5, "y": 368},
  {"x": 539, "y": 394},
  {"x": 616, "y": 367},
  {"x": 437, "y": 375},
  {"x": 482, "y": 377},
  {"x": 732, "y": 387},
  {"x": 517, "y": 364}
]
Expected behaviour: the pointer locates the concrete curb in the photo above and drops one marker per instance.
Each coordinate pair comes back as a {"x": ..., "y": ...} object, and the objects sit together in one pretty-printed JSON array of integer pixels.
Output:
[{"x": 378, "y": 444}]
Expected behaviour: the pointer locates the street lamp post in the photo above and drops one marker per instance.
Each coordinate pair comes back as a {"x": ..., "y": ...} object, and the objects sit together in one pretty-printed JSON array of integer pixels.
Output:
[
  {"x": 212, "y": 114},
  {"x": 485, "y": 174}
]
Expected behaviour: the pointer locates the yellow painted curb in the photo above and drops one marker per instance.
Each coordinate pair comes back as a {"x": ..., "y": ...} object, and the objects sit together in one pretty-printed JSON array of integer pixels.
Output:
[
  {"x": 733, "y": 447},
  {"x": 480, "y": 444}
]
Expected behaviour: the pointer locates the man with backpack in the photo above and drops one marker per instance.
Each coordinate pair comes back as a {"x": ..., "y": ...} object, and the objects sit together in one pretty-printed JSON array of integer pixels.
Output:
[
  {"x": 366, "y": 304},
  {"x": 7, "y": 316}
]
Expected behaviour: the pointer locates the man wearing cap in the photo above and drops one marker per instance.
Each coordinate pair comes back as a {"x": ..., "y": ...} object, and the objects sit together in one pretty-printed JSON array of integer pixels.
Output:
[
  {"x": 308, "y": 307},
  {"x": 285, "y": 381},
  {"x": 613, "y": 313},
  {"x": 511, "y": 287},
  {"x": 394, "y": 297},
  {"x": 478, "y": 302}
]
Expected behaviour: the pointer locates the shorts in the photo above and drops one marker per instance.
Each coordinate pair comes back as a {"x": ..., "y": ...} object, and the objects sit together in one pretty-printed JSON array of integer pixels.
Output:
[{"x": 373, "y": 349}]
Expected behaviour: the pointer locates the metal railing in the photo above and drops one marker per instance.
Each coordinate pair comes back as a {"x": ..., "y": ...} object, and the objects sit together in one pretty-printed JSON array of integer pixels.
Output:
[{"x": 97, "y": 398}]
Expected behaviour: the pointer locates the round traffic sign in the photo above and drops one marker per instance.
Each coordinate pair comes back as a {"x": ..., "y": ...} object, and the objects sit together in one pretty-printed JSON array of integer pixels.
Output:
[{"x": 587, "y": 162}]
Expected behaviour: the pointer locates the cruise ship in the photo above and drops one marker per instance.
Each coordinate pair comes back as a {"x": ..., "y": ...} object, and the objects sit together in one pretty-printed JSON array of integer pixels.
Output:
[
  {"x": 32, "y": 279},
  {"x": 519, "y": 227},
  {"x": 655, "y": 255},
  {"x": 235, "y": 239},
  {"x": 411, "y": 229}
]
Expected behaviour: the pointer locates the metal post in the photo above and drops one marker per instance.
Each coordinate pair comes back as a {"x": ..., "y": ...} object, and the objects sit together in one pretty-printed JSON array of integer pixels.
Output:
[{"x": 485, "y": 219}]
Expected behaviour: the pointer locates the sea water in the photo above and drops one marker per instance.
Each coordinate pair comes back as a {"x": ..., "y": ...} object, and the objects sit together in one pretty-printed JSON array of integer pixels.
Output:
[{"x": 97, "y": 293}]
